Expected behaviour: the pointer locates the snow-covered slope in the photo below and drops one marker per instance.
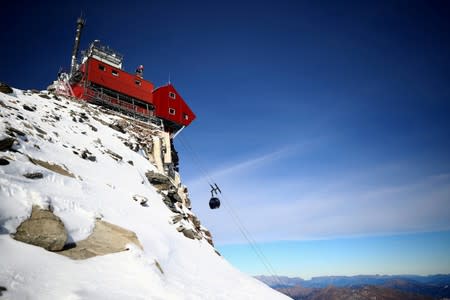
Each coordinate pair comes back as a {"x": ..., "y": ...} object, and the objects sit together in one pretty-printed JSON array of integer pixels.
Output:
[{"x": 58, "y": 131}]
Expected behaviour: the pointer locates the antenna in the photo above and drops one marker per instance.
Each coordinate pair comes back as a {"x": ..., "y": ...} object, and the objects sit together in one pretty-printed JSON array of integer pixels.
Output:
[
  {"x": 73, "y": 64},
  {"x": 169, "y": 77}
]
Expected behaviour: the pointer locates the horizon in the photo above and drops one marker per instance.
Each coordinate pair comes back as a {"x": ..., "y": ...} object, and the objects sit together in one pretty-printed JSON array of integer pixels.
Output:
[{"x": 325, "y": 124}]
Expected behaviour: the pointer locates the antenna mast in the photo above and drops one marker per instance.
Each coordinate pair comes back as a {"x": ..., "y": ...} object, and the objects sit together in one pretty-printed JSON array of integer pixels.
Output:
[{"x": 73, "y": 65}]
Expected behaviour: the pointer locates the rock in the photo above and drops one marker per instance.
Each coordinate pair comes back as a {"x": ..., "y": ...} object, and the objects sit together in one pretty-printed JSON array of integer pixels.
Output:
[
  {"x": 190, "y": 233},
  {"x": 177, "y": 218},
  {"x": 52, "y": 167},
  {"x": 114, "y": 155},
  {"x": 44, "y": 96},
  {"x": 42, "y": 229},
  {"x": 6, "y": 89},
  {"x": 4, "y": 162},
  {"x": 29, "y": 108},
  {"x": 131, "y": 162},
  {"x": 6, "y": 143},
  {"x": 118, "y": 127},
  {"x": 12, "y": 130},
  {"x": 35, "y": 175},
  {"x": 158, "y": 180},
  {"x": 194, "y": 220},
  {"x": 88, "y": 155},
  {"x": 105, "y": 239},
  {"x": 3, "y": 289},
  {"x": 141, "y": 199},
  {"x": 93, "y": 128}
]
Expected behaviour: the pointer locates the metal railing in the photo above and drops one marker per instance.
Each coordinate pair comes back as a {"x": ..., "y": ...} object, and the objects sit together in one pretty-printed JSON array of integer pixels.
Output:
[{"x": 98, "y": 96}]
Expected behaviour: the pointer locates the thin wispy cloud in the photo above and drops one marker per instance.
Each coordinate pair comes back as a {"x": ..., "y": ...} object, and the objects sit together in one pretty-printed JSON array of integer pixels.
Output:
[{"x": 235, "y": 168}]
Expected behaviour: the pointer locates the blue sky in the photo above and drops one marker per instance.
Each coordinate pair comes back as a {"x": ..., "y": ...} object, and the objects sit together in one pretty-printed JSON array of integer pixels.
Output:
[{"x": 324, "y": 122}]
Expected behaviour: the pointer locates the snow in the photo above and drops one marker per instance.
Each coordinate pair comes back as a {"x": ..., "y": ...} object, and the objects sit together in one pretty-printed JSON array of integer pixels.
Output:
[{"x": 99, "y": 189}]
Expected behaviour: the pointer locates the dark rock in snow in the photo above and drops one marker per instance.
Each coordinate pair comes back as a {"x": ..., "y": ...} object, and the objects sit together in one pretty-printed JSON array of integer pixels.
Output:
[
  {"x": 117, "y": 127},
  {"x": 114, "y": 155},
  {"x": 35, "y": 175},
  {"x": 44, "y": 96},
  {"x": 92, "y": 127},
  {"x": 6, "y": 143},
  {"x": 88, "y": 155},
  {"x": 29, "y": 108},
  {"x": 2, "y": 289},
  {"x": 42, "y": 229},
  {"x": 130, "y": 162},
  {"x": 15, "y": 131},
  {"x": 4, "y": 162},
  {"x": 6, "y": 89}
]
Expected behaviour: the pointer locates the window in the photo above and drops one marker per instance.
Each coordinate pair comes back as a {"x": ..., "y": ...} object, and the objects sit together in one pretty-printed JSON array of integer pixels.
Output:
[
  {"x": 172, "y": 95},
  {"x": 102, "y": 68},
  {"x": 172, "y": 111},
  {"x": 137, "y": 82},
  {"x": 186, "y": 117},
  {"x": 115, "y": 73}
]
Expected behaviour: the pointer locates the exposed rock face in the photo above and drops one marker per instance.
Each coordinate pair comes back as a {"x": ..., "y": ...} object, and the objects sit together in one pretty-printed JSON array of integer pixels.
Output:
[
  {"x": 105, "y": 239},
  {"x": 42, "y": 229},
  {"x": 158, "y": 180},
  {"x": 4, "y": 88}
]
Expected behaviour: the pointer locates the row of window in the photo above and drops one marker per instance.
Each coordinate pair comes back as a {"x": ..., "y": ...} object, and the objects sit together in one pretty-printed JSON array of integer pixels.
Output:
[{"x": 172, "y": 111}]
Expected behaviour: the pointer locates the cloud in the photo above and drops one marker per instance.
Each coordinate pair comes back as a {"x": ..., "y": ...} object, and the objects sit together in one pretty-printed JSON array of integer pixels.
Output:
[{"x": 358, "y": 203}]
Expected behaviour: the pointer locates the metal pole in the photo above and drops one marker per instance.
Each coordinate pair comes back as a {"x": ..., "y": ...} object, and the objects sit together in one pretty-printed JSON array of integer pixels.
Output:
[{"x": 73, "y": 64}]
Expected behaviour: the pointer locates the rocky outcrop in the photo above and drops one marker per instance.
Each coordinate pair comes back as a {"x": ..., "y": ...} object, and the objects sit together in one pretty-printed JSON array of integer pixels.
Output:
[
  {"x": 159, "y": 181},
  {"x": 4, "y": 88},
  {"x": 43, "y": 229},
  {"x": 105, "y": 239}
]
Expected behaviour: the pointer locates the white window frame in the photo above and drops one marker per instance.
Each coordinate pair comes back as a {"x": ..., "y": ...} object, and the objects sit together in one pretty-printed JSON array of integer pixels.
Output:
[
  {"x": 172, "y": 111},
  {"x": 172, "y": 95},
  {"x": 115, "y": 73}
]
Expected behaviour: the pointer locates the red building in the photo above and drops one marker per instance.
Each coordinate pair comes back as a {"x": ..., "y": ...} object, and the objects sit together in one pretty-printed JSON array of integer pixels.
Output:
[
  {"x": 171, "y": 107},
  {"x": 100, "y": 79}
]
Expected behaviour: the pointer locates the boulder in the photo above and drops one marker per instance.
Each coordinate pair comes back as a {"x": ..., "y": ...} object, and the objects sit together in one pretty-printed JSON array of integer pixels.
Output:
[
  {"x": 4, "y": 162},
  {"x": 106, "y": 238},
  {"x": 35, "y": 175},
  {"x": 190, "y": 233},
  {"x": 42, "y": 229},
  {"x": 6, "y": 143},
  {"x": 158, "y": 180}
]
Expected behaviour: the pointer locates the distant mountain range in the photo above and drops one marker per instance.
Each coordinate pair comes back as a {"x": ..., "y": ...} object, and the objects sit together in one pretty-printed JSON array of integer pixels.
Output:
[{"x": 362, "y": 287}]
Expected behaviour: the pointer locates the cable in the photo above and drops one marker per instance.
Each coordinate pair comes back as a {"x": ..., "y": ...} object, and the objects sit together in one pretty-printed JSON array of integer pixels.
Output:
[{"x": 228, "y": 205}]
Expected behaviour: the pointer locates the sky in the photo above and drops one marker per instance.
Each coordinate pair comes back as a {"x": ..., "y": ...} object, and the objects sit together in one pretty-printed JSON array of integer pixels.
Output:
[{"x": 325, "y": 123}]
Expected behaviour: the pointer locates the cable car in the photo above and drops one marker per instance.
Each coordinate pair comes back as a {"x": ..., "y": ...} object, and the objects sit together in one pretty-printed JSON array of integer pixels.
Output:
[{"x": 214, "y": 202}]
